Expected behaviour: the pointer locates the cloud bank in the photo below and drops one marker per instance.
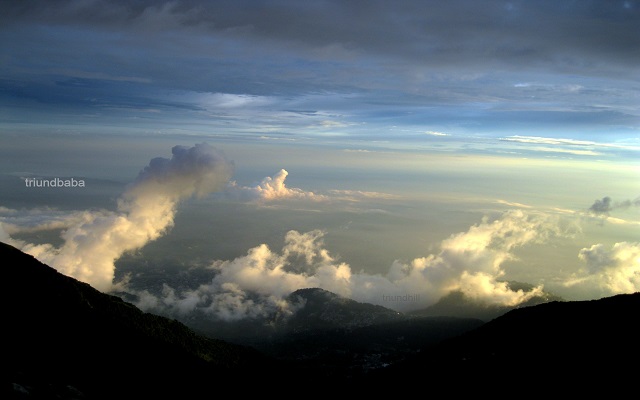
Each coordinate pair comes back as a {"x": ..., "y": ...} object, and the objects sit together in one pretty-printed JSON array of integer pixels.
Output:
[
  {"x": 257, "y": 283},
  {"x": 612, "y": 270},
  {"x": 333, "y": 66},
  {"x": 94, "y": 240},
  {"x": 36, "y": 220}
]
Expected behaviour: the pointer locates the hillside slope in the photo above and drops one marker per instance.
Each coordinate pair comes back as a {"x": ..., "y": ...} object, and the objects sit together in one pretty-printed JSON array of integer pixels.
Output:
[
  {"x": 573, "y": 346},
  {"x": 60, "y": 332}
]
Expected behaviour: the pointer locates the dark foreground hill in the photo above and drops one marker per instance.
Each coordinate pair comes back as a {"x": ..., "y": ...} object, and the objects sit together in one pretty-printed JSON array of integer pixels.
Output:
[
  {"x": 64, "y": 339},
  {"x": 574, "y": 346}
]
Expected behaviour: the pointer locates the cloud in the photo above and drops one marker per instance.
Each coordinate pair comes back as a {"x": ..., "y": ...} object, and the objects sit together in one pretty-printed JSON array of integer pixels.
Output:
[
  {"x": 561, "y": 145},
  {"x": 332, "y": 67},
  {"x": 358, "y": 195},
  {"x": 605, "y": 206},
  {"x": 613, "y": 270},
  {"x": 513, "y": 204},
  {"x": 271, "y": 188},
  {"x": 564, "y": 142},
  {"x": 332, "y": 124},
  {"x": 215, "y": 101},
  {"x": 490, "y": 37},
  {"x": 36, "y": 220},
  {"x": 492, "y": 29},
  {"x": 472, "y": 261},
  {"x": 566, "y": 151},
  {"x": 601, "y": 206},
  {"x": 628, "y": 203},
  {"x": 546, "y": 140},
  {"x": 434, "y": 133},
  {"x": 258, "y": 282},
  {"x": 94, "y": 240}
]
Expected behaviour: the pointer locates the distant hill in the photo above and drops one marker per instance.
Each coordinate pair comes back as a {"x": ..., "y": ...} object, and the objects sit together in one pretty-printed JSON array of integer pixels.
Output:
[
  {"x": 337, "y": 335},
  {"x": 326, "y": 310},
  {"x": 64, "y": 339},
  {"x": 320, "y": 310},
  {"x": 348, "y": 338},
  {"x": 457, "y": 304}
]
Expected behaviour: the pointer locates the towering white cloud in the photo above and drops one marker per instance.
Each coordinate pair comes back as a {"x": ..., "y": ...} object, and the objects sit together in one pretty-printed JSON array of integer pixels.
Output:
[
  {"x": 145, "y": 212},
  {"x": 472, "y": 261},
  {"x": 272, "y": 188},
  {"x": 258, "y": 283},
  {"x": 613, "y": 270}
]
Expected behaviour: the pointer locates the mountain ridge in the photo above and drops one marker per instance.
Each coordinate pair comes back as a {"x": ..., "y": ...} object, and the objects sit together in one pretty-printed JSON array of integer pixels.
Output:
[
  {"x": 541, "y": 347},
  {"x": 327, "y": 310},
  {"x": 67, "y": 340},
  {"x": 63, "y": 333}
]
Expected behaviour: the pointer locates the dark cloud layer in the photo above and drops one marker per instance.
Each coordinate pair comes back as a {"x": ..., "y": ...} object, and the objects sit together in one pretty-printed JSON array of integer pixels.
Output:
[
  {"x": 490, "y": 65},
  {"x": 606, "y": 205},
  {"x": 519, "y": 32},
  {"x": 601, "y": 206}
]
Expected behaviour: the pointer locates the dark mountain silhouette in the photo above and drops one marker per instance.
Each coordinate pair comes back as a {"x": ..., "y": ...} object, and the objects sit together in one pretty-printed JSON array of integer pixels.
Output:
[
  {"x": 334, "y": 333},
  {"x": 318, "y": 309},
  {"x": 574, "y": 346},
  {"x": 67, "y": 340},
  {"x": 355, "y": 351},
  {"x": 457, "y": 304},
  {"x": 64, "y": 339}
]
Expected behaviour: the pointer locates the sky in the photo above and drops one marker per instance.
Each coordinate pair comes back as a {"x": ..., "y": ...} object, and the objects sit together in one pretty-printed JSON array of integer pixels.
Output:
[{"x": 232, "y": 152}]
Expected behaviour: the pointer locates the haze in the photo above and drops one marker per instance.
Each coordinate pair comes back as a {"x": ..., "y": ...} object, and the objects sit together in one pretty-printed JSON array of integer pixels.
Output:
[{"x": 236, "y": 151}]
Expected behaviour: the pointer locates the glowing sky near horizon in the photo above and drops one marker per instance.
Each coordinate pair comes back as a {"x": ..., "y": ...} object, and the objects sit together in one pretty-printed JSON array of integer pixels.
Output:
[{"x": 393, "y": 128}]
